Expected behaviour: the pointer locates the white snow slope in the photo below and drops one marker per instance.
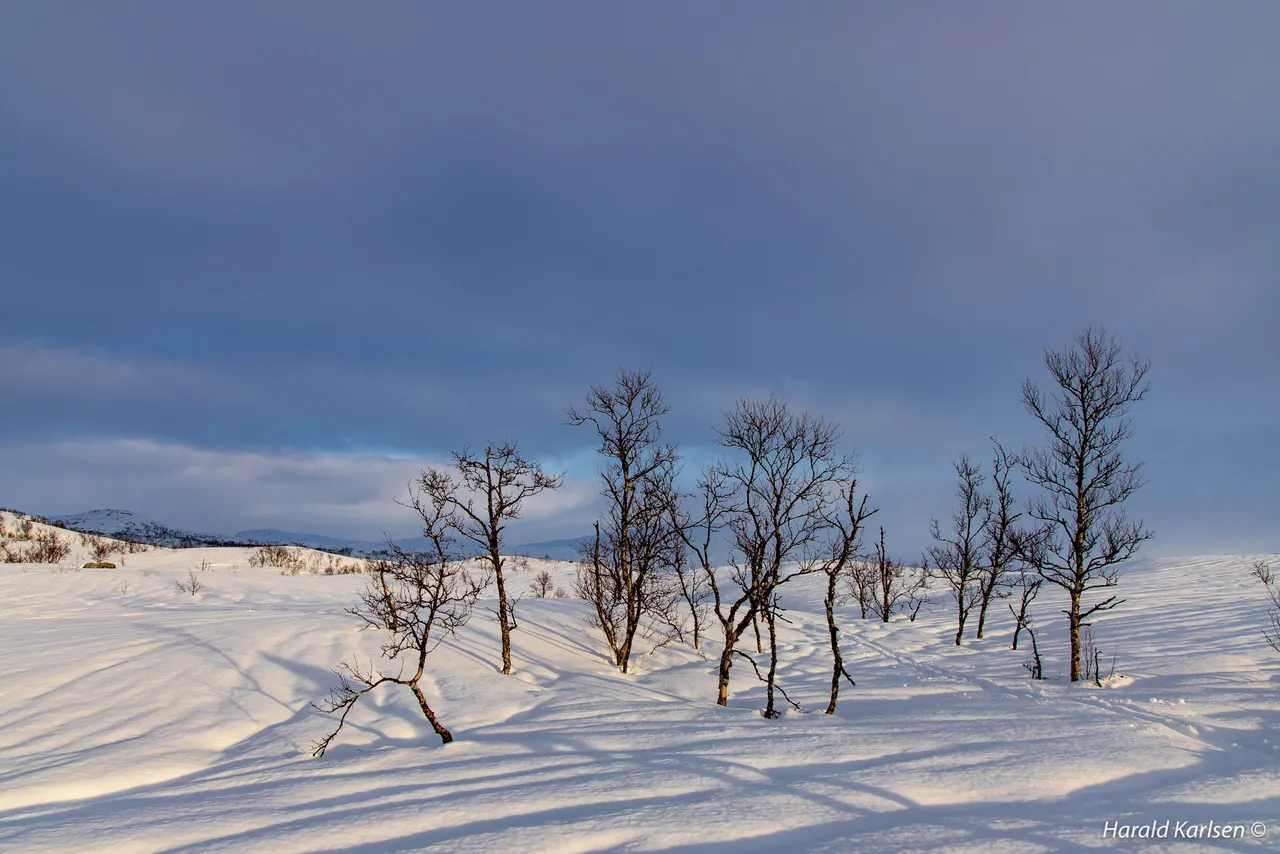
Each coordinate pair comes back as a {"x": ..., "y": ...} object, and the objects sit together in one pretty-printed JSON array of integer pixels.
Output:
[{"x": 134, "y": 717}]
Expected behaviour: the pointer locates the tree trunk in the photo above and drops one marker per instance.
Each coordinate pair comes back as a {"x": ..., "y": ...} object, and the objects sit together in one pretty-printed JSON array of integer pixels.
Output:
[
  {"x": 726, "y": 662},
  {"x": 837, "y": 669},
  {"x": 624, "y": 652},
  {"x": 960, "y": 627},
  {"x": 445, "y": 735},
  {"x": 982, "y": 610},
  {"x": 1073, "y": 624},
  {"x": 771, "y": 624},
  {"x": 504, "y": 620}
]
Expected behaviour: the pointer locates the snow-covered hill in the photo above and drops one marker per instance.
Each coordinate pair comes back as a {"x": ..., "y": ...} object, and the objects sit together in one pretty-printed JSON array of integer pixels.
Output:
[
  {"x": 127, "y": 525},
  {"x": 552, "y": 549},
  {"x": 134, "y": 717}
]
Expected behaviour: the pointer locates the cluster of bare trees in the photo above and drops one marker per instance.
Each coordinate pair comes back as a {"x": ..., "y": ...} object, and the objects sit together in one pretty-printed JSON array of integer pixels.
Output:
[
  {"x": 42, "y": 547},
  {"x": 1075, "y": 533},
  {"x": 973, "y": 555},
  {"x": 782, "y": 502}
]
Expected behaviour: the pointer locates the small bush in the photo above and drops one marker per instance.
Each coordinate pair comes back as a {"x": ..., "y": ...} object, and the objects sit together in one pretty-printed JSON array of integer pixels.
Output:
[
  {"x": 542, "y": 585},
  {"x": 99, "y": 564},
  {"x": 290, "y": 561},
  {"x": 192, "y": 585},
  {"x": 101, "y": 548},
  {"x": 282, "y": 557},
  {"x": 46, "y": 547}
]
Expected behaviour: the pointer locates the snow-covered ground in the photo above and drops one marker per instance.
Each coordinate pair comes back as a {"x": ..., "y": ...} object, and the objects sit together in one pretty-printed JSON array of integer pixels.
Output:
[{"x": 135, "y": 717}]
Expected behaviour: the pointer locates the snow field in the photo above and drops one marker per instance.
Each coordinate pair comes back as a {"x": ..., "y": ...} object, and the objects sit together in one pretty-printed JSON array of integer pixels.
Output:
[{"x": 140, "y": 718}]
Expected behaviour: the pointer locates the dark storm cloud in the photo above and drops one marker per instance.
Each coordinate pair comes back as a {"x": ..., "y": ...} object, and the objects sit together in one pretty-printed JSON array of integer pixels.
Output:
[{"x": 281, "y": 226}]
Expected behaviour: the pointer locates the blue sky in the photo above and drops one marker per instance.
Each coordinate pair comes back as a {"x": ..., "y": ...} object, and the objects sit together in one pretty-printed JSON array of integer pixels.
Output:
[{"x": 260, "y": 262}]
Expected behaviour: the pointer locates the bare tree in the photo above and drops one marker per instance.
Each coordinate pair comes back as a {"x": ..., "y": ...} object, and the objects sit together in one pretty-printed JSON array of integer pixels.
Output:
[
  {"x": 787, "y": 475},
  {"x": 1082, "y": 473},
  {"x": 860, "y": 584},
  {"x": 622, "y": 570},
  {"x": 418, "y": 599},
  {"x": 542, "y": 585},
  {"x": 100, "y": 548},
  {"x": 1033, "y": 664},
  {"x": 489, "y": 492},
  {"x": 956, "y": 557},
  {"x": 1028, "y": 586},
  {"x": 733, "y": 611},
  {"x": 999, "y": 538},
  {"x": 1263, "y": 571},
  {"x": 690, "y": 583},
  {"x": 894, "y": 585},
  {"x": 846, "y": 525},
  {"x": 192, "y": 585}
]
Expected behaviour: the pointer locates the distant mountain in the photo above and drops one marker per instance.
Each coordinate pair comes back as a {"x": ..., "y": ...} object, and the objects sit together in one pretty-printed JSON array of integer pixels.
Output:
[{"x": 274, "y": 536}]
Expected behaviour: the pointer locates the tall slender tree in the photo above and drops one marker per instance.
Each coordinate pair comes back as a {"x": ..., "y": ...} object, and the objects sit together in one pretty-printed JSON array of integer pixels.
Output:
[
  {"x": 956, "y": 555},
  {"x": 1082, "y": 474},
  {"x": 622, "y": 570},
  {"x": 846, "y": 529},
  {"x": 999, "y": 544}
]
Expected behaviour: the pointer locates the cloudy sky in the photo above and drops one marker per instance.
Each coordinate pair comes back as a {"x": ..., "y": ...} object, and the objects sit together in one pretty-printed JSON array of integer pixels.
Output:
[{"x": 260, "y": 262}]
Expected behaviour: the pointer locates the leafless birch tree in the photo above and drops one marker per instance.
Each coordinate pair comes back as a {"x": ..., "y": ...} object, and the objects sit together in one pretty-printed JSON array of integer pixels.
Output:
[
  {"x": 690, "y": 583},
  {"x": 894, "y": 584},
  {"x": 1082, "y": 474},
  {"x": 1028, "y": 588},
  {"x": 956, "y": 556},
  {"x": 542, "y": 585},
  {"x": 417, "y": 599},
  {"x": 1263, "y": 571},
  {"x": 622, "y": 571},
  {"x": 845, "y": 525},
  {"x": 732, "y": 603},
  {"x": 999, "y": 547},
  {"x": 489, "y": 491}
]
